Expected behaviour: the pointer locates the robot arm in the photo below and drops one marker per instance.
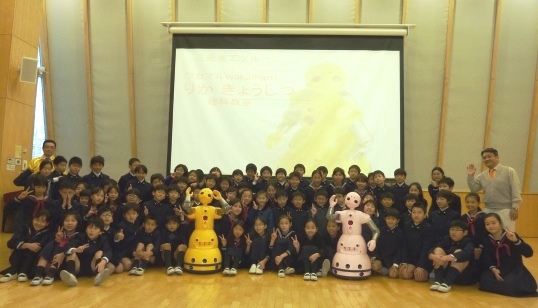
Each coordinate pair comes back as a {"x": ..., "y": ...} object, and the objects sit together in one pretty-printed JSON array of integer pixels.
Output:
[
  {"x": 225, "y": 207},
  {"x": 333, "y": 216},
  {"x": 187, "y": 203},
  {"x": 374, "y": 229}
]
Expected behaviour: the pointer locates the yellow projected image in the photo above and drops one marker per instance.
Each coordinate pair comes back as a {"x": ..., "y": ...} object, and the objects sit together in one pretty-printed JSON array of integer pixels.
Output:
[{"x": 326, "y": 124}]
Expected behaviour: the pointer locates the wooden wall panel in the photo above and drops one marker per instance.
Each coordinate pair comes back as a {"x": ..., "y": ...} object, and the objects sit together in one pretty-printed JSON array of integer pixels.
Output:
[
  {"x": 380, "y": 11},
  {"x": 7, "y": 9},
  {"x": 5, "y": 49},
  {"x": 329, "y": 11},
  {"x": 20, "y": 91},
  {"x": 241, "y": 11},
  {"x": 27, "y": 21},
  {"x": 288, "y": 11},
  {"x": 195, "y": 11}
]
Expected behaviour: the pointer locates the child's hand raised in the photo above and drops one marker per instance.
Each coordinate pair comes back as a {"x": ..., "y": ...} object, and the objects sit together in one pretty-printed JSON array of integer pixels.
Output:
[
  {"x": 314, "y": 210},
  {"x": 295, "y": 242},
  {"x": 80, "y": 249},
  {"x": 25, "y": 193},
  {"x": 146, "y": 211},
  {"x": 511, "y": 236},
  {"x": 248, "y": 240},
  {"x": 471, "y": 169},
  {"x": 274, "y": 235},
  {"x": 223, "y": 240},
  {"x": 256, "y": 177},
  {"x": 255, "y": 206},
  {"x": 332, "y": 201},
  {"x": 60, "y": 234},
  {"x": 120, "y": 236}
]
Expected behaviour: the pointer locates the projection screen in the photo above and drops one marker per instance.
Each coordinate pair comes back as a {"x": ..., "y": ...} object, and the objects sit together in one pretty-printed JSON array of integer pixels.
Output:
[{"x": 279, "y": 100}]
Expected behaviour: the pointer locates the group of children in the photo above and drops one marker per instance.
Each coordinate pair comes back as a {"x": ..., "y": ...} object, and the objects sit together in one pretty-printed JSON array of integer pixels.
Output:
[{"x": 94, "y": 226}]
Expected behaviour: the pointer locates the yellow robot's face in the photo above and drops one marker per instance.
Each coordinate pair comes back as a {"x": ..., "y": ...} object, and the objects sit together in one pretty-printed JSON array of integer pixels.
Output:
[
  {"x": 205, "y": 196},
  {"x": 326, "y": 77}
]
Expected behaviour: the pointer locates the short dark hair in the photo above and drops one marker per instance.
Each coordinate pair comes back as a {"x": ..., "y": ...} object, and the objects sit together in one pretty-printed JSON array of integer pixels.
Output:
[
  {"x": 419, "y": 205},
  {"x": 43, "y": 163},
  {"x": 490, "y": 150},
  {"x": 97, "y": 160},
  {"x": 59, "y": 159},
  {"x": 96, "y": 222},
  {"x": 85, "y": 193},
  {"x": 392, "y": 212},
  {"x": 412, "y": 197},
  {"x": 460, "y": 224},
  {"x": 156, "y": 176},
  {"x": 387, "y": 195},
  {"x": 298, "y": 194},
  {"x": 142, "y": 168},
  {"x": 133, "y": 160},
  {"x": 150, "y": 217},
  {"x": 173, "y": 217},
  {"x": 237, "y": 172},
  {"x": 104, "y": 209},
  {"x": 211, "y": 176},
  {"x": 134, "y": 191},
  {"x": 48, "y": 141},
  {"x": 447, "y": 180},
  {"x": 295, "y": 174},
  {"x": 252, "y": 167},
  {"x": 400, "y": 171},
  {"x": 297, "y": 166},
  {"x": 40, "y": 180},
  {"x": 266, "y": 168},
  {"x": 67, "y": 185},
  {"x": 75, "y": 160},
  {"x": 281, "y": 170},
  {"x": 43, "y": 213},
  {"x": 438, "y": 169},
  {"x": 321, "y": 192},
  {"x": 356, "y": 167},
  {"x": 444, "y": 194},
  {"x": 339, "y": 191},
  {"x": 281, "y": 193},
  {"x": 131, "y": 206},
  {"x": 160, "y": 187},
  {"x": 379, "y": 172},
  {"x": 323, "y": 169},
  {"x": 173, "y": 187},
  {"x": 361, "y": 178},
  {"x": 182, "y": 166},
  {"x": 232, "y": 189},
  {"x": 339, "y": 170},
  {"x": 183, "y": 179},
  {"x": 473, "y": 195}
]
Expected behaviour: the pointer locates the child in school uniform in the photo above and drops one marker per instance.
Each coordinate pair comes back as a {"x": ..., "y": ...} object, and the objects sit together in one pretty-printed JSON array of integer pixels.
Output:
[
  {"x": 29, "y": 202},
  {"x": 246, "y": 198},
  {"x": 281, "y": 244},
  {"x": 147, "y": 246},
  {"x": 87, "y": 255},
  {"x": 65, "y": 204},
  {"x": 157, "y": 206},
  {"x": 224, "y": 185},
  {"x": 362, "y": 186},
  {"x": 140, "y": 183},
  {"x": 294, "y": 186},
  {"x": 233, "y": 247},
  {"x": 453, "y": 259},
  {"x": 97, "y": 199},
  {"x": 474, "y": 219},
  {"x": 84, "y": 198},
  {"x": 113, "y": 201},
  {"x": 298, "y": 214},
  {"x": 353, "y": 172},
  {"x": 96, "y": 177},
  {"x": 416, "y": 189},
  {"x": 441, "y": 218},
  {"x": 26, "y": 244},
  {"x": 330, "y": 241},
  {"x": 315, "y": 186},
  {"x": 265, "y": 175},
  {"x": 174, "y": 199},
  {"x": 380, "y": 188},
  {"x": 340, "y": 199},
  {"x": 503, "y": 252},
  {"x": 179, "y": 171},
  {"x": 52, "y": 255},
  {"x": 447, "y": 184},
  {"x": 112, "y": 234},
  {"x": 389, "y": 248},
  {"x": 173, "y": 245},
  {"x": 125, "y": 241},
  {"x": 281, "y": 175},
  {"x": 281, "y": 207},
  {"x": 258, "y": 251},
  {"x": 437, "y": 174},
  {"x": 224, "y": 225},
  {"x": 339, "y": 181},
  {"x": 272, "y": 187},
  {"x": 418, "y": 240},
  {"x": 319, "y": 209},
  {"x": 130, "y": 176},
  {"x": 405, "y": 216},
  {"x": 309, "y": 248},
  {"x": 301, "y": 170},
  {"x": 260, "y": 208}
]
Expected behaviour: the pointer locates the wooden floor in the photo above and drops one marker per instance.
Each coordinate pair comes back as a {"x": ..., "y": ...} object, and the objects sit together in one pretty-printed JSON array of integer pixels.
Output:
[{"x": 157, "y": 289}]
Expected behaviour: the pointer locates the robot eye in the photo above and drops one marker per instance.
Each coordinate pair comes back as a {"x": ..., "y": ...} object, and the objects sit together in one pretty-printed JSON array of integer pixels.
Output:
[
  {"x": 348, "y": 198},
  {"x": 356, "y": 201}
]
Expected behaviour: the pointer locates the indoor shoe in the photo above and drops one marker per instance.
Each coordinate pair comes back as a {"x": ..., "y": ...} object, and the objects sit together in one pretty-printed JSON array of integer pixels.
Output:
[
  {"x": 306, "y": 276},
  {"x": 259, "y": 270},
  {"x": 102, "y": 276},
  {"x": 289, "y": 270},
  {"x": 170, "y": 271},
  {"x": 226, "y": 271},
  {"x": 444, "y": 288},
  {"x": 140, "y": 271},
  {"x": 133, "y": 271},
  {"x": 435, "y": 286},
  {"x": 281, "y": 274},
  {"x": 48, "y": 281},
  {"x": 325, "y": 267},
  {"x": 36, "y": 281},
  {"x": 252, "y": 269},
  {"x": 178, "y": 270},
  {"x": 8, "y": 277},
  {"x": 22, "y": 277},
  {"x": 313, "y": 277},
  {"x": 68, "y": 278},
  {"x": 233, "y": 272}
]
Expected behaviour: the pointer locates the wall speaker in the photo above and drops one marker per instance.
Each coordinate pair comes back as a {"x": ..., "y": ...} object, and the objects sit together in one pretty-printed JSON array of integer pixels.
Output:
[{"x": 28, "y": 70}]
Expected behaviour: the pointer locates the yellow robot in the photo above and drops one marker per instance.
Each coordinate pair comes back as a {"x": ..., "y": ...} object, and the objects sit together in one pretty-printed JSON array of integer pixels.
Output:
[{"x": 203, "y": 255}]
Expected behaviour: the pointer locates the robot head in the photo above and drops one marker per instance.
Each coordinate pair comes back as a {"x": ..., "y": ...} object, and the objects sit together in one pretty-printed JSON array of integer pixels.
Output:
[
  {"x": 353, "y": 200},
  {"x": 206, "y": 196}
]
